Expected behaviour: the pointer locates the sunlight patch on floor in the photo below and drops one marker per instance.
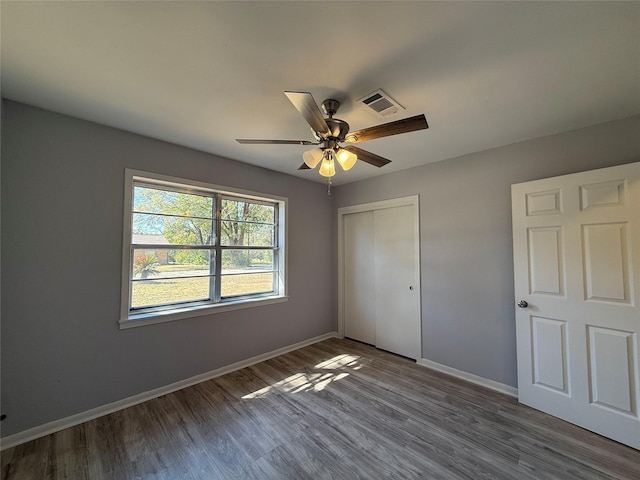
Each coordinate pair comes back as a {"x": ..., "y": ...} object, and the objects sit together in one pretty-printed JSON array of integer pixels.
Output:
[
  {"x": 299, "y": 383},
  {"x": 341, "y": 361}
]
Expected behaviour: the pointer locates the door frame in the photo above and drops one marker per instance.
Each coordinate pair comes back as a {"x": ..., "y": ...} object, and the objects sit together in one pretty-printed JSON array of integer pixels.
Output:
[{"x": 413, "y": 201}]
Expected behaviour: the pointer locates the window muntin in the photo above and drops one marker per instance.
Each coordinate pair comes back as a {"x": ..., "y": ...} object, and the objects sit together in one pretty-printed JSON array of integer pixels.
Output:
[{"x": 192, "y": 248}]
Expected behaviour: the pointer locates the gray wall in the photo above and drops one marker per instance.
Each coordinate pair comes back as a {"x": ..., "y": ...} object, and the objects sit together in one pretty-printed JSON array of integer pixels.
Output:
[
  {"x": 62, "y": 207},
  {"x": 468, "y": 319}
]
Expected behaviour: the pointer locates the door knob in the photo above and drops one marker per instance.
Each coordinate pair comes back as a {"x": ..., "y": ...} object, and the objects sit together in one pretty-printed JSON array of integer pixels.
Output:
[{"x": 523, "y": 304}]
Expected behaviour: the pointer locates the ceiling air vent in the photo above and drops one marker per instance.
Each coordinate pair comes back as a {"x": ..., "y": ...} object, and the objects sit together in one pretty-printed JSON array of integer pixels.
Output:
[{"x": 381, "y": 103}]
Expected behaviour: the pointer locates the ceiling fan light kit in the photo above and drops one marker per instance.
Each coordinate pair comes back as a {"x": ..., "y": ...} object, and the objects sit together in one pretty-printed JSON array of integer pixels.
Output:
[{"x": 330, "y": 132}]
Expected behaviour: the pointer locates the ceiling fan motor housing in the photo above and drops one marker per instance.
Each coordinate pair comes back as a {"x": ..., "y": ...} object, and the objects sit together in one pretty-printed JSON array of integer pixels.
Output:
[{"x": 338, "y": 129}]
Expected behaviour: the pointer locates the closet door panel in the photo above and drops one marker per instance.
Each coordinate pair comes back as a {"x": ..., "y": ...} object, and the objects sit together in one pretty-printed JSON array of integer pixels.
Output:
[
  {"x": 359, "y": 277},
  {"x": 396, "y": 297}
]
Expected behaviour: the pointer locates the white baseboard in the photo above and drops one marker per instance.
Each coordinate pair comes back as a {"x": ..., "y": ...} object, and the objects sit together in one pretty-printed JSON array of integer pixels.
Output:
[
  {"x": 57, "y": 425},
  {"x": 470, "y": 377}
]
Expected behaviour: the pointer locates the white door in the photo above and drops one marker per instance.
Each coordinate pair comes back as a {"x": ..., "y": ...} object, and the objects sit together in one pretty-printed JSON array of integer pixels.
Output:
[
  {"x": 359, "y": 275},
  {"x": 577, "y": 277},
  {"x": 380, "y": 299},
  {"x": 397, "y": 312}
]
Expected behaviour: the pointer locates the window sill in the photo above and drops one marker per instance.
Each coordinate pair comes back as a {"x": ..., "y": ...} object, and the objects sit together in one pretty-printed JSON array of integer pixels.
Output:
[{"x": 138, "y": 320}]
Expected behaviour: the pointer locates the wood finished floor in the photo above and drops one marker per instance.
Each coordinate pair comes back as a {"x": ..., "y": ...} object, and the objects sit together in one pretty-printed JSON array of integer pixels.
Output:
[{"x": 337, "y": 409}]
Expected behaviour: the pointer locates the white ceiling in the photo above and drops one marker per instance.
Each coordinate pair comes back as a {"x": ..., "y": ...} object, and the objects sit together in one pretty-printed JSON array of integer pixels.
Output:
[{"x": 202, "y": 74}]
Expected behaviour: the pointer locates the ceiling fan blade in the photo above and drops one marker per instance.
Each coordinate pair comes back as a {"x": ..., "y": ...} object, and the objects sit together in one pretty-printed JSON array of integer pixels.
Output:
[
  {"x": 309, "y": 109},
  {"x": 252, "y": 141},
  {"x": 304, "y": 166},
  {"x": 411, "y": 124},
  {"x": 368, "y": 157}
]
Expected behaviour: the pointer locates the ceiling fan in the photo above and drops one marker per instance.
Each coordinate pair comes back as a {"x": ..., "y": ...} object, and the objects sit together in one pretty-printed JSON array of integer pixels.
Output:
[{"x": 330, "y": 132}]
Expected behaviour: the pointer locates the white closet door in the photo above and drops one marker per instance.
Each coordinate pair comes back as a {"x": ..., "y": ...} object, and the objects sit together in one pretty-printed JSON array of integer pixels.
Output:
[
  {"x": 359, "y": 281},
  {"x": 396, "y": 307},
  {"x": 380, "y": 277}
]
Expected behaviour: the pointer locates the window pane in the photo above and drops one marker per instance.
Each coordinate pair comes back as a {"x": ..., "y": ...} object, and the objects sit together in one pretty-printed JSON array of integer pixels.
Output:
[
  {"x": 154, "y": 264},
  {"x": 247, "y": 211},
  {"x": 146, "y": 293},
  {"x": 247, "y": 283},
  {"x": 246, "y": 234},
  {"x": 153, "y": 200},
  {"x": 170, "y": 230},
  {"x": 245, "y": 261}
]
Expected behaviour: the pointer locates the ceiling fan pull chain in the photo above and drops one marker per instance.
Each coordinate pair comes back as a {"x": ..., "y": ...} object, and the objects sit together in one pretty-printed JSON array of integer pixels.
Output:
[{"x": 329, "y": 187}]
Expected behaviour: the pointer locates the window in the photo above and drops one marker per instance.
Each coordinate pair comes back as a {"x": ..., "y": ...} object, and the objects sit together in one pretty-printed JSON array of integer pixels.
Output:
[{"x": 192, "y": 248}]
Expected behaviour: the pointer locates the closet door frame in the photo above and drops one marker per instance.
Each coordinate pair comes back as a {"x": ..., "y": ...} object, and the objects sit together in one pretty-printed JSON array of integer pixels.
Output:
[{"x": 412, "y": 200}]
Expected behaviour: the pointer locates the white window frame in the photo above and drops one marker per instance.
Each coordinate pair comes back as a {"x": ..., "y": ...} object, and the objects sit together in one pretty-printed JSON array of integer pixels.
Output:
[{"x": 130, "y": 318}]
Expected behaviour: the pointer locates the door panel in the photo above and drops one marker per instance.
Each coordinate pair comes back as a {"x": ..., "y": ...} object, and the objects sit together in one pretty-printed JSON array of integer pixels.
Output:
[
  {"x": 549, "y": 353},
  {"x": 359, "y": 277},
  {"x": 602, "y": 194},
  {"x": 543, "y": 203},
  {"x": 546, "y": 263},
  {"x": 611, "y": 369},
  {"x": 606, "y": 265},
  {"x": 397, "y": 318},
  {"x": 576, "y": 242}
]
